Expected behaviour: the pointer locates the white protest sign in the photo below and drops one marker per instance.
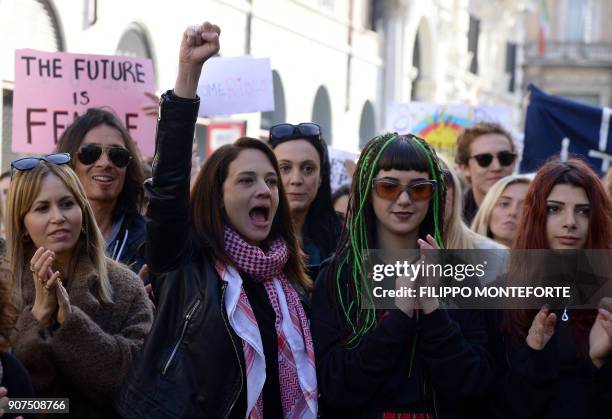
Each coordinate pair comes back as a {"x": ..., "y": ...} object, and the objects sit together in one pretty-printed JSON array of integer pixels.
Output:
[
  {"x": 338, "y": 174},
  {"x": 235, "y": 85}
]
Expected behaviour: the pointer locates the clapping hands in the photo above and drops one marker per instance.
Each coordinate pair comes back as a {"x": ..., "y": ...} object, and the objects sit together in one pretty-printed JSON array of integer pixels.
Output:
[
  {"x": 542, "y": 329},
  {"x": 600, "y": 338},
  {"x": 51, "y": 298}
]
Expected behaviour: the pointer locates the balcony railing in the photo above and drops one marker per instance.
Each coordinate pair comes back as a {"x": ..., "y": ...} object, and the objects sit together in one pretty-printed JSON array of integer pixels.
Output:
[{"x": 572, "y": 53}]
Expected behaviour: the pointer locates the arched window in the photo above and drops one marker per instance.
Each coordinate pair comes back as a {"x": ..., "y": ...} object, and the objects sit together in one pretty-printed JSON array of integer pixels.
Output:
[
  {"x": 322, "y": 113},
  {"x": 42, "y": 31},
  {"x": 367, "y": 124},
  {"x": 416, "y": 64},
  {"x": 135, "y": 43},
  {"x": 279, "y": 114}
]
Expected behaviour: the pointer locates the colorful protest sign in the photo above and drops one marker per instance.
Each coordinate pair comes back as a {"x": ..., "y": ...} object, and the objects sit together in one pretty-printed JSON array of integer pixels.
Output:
[
  {"x": 440, "y": 124},
  {"x": 53, "y": 88},
  {"x": 235, "y": 85}
]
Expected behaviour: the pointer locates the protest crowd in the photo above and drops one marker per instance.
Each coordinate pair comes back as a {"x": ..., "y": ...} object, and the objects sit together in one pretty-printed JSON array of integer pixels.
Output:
[{"x": 235, "y": 290}]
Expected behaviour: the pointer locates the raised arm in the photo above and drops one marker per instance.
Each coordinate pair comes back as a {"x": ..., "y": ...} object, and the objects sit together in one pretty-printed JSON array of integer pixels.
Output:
[{"x": 168, "y": 218}]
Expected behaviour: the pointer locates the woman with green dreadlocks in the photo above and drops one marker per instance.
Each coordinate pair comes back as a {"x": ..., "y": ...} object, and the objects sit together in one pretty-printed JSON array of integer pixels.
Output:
[{"x": 416, "y": 362}]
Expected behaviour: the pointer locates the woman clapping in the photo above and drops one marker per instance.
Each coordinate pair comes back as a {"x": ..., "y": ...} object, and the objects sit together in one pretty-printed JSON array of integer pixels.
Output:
[{"x": 83, "y": 317}]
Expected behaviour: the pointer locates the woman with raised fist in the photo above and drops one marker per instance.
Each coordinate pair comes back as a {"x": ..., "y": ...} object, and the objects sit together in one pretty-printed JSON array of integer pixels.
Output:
[{"x": 231, "y": 337}]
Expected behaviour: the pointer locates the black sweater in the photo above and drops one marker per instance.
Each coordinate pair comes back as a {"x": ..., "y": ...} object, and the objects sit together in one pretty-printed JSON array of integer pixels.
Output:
[
  {"x": 17, "y": 381},
  {"x": 554, "y": 383},
  {"x": 451, "y": 372}
]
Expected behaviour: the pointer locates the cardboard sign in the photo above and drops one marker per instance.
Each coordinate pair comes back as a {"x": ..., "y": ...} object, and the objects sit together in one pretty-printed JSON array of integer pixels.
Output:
[
  {"x": 53, "y": 88},
  {"x": 235, "y": 85}
]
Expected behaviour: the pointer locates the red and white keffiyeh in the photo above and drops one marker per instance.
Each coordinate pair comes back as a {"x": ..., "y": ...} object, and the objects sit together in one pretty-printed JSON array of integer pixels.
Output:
[{"x": 296, "y": 361}]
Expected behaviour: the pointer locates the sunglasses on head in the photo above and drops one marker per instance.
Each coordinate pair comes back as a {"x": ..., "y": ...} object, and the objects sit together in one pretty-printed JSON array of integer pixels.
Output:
[
  {"x": 91, "y": 153},
  {"x": 282, "y": 132},
  {"x": 29, "y": 163},
  {"x": 505, "y": 158},
  {"x": 420, "y": 190}
]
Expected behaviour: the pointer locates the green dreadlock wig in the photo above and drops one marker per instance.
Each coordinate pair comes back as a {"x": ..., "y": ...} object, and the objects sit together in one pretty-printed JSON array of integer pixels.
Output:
[{"x": 385, "y": 152}]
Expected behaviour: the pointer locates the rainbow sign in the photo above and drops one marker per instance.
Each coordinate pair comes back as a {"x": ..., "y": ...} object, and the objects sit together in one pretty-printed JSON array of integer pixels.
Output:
[{"x": 441, "y": 124}]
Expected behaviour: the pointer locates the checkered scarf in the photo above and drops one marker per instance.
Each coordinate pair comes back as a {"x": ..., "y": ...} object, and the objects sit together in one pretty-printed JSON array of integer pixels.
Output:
[{"x": 296, "y": 362}]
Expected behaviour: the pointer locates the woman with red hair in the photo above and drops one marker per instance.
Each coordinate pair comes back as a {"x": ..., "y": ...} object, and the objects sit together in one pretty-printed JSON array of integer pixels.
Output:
[{"x": 558, "y": 362}]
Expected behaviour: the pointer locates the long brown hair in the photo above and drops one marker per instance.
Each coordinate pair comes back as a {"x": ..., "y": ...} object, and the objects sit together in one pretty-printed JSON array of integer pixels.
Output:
[
  {"x": 131, "y": 199},
  {"x": 209, "y": 217},
  {"x": 532, "y": 233}
]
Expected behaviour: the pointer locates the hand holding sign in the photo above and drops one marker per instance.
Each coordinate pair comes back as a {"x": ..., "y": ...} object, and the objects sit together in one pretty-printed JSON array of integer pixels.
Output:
[{"x": 198, "y": 45}]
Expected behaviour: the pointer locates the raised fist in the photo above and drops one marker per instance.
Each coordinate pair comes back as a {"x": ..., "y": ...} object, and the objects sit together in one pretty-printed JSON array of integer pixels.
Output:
[
  {"x": 198, "y": 45},
  {"x": 200, "y": 42}
]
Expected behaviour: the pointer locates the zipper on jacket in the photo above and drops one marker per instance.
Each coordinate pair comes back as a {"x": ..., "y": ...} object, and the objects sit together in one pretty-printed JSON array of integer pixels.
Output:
[
  {"x": 229, "y": 332},
  {"x": 188, "y": 317}
]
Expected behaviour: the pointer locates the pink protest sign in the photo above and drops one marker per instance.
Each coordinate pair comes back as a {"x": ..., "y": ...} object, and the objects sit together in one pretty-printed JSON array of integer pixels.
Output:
[{"x": 53, "y": 88}]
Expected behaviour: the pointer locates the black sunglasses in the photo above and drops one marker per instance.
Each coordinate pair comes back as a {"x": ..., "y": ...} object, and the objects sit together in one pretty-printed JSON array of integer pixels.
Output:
[
  {"x": 91, "y": 153},
  {"x": 29, "y": 163},
  {"x": 505, "y": 158},
  {"x": 282, "y": 132}
]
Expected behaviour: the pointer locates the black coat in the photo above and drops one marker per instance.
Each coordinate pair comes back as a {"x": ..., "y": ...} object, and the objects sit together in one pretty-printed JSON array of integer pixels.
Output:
[
  {"x": 17, "y": 381},
  {"x": 192, "y": 365},
  {"x": 451, "y": 372},
  {"x": 555, "y": 383}
]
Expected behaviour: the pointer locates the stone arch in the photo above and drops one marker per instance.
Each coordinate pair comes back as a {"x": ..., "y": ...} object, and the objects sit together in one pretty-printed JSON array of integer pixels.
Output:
[
  {"x": 136, "y": 42},
  {"x": 322, "y": 113},
  {"x": 279, "y": 114},
  {"x": 367, "y": 123},
  {"x": 421, "y": 66},
  {"x": 39, "y": 14}
]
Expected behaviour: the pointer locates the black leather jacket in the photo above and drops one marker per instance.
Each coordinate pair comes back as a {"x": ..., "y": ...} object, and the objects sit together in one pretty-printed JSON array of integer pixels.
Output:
[{"x": 192, "y": 365}]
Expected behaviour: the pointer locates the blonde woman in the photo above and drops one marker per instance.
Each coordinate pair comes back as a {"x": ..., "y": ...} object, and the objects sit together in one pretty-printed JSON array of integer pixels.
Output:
[
  {"x": 83, "y": 317},
  {"x": 501, "y": 209},
  {"x": 458, "y": 236}
]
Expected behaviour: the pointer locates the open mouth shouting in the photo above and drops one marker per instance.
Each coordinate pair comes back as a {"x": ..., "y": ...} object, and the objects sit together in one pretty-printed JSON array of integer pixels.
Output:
[{"x": 260, "y": 216}]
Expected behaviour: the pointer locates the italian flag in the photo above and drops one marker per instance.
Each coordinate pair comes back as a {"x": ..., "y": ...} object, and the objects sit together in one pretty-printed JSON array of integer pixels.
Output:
[{"x": 544, "y": 20}]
